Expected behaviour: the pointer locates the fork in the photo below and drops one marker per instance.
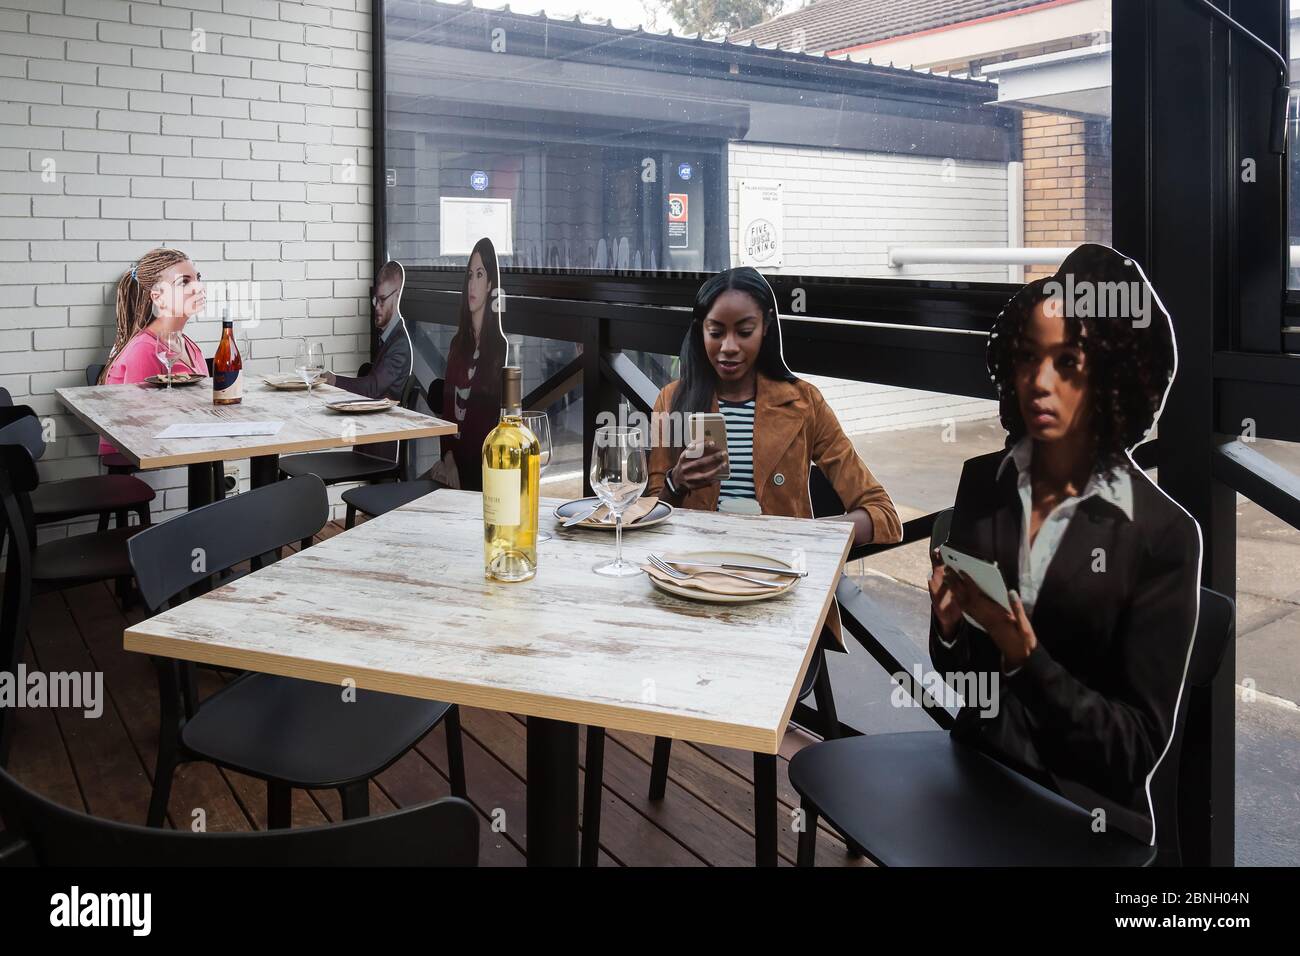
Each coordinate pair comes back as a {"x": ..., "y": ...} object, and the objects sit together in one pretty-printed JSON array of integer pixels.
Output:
[{"x": 683, "y": 576}]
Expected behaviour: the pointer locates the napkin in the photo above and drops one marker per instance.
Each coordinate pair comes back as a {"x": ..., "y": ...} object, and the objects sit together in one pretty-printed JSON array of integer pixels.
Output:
[
  {"x": 712, "y": 583},
  {"x": 635, "y": 512},
  {"x": 219, "y": 430}
]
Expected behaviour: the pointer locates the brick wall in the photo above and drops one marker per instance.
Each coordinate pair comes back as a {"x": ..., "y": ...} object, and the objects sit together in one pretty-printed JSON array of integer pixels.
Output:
[
  {"x": 236, "y": 130},
  {"x": 1067, "y": 183}
]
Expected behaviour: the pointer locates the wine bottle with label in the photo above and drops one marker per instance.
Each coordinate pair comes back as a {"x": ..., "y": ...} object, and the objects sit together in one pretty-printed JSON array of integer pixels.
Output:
[
  {"x": 511, "y": 475},
  {"x": 227, "y": 367}
]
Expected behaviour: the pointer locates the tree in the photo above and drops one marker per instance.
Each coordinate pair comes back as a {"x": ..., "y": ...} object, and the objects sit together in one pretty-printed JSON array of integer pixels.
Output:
[{"x": 713, "y": 18}]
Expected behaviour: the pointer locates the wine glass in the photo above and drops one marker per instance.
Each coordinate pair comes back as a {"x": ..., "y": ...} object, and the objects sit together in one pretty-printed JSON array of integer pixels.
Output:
[
  {"x": 171, "y": 347},
  {"x": 310, "y": 362},
  {"x": 540, "y": 425},
  {"x": 618, "y": 476}
]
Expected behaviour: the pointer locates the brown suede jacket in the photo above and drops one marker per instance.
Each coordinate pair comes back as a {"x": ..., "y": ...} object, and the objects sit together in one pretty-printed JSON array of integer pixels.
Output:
[{"x": 794, "y": 429}]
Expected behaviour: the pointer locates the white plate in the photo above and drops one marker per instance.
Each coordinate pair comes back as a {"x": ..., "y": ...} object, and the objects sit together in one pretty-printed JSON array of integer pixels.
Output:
[{"x": 730, "y": 557}]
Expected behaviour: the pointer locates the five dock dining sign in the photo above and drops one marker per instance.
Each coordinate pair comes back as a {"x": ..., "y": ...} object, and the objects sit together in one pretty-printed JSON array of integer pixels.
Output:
[{"x": 762, "y": 222}]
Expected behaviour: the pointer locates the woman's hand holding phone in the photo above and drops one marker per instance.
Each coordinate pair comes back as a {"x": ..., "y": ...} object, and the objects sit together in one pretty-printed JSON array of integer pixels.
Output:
[
  {"x": 943, "y": 597},
  {"x": 701, "y": 464},
  {"x": 1010, "y": 630}
]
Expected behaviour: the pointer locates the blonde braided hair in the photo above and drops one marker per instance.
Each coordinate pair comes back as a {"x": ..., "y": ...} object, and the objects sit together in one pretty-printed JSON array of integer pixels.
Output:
[{"x": 134, "y": 303}]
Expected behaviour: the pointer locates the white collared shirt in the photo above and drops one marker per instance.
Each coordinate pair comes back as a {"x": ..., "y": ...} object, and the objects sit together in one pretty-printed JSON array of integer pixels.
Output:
[{"x": 1114, "y": 486}]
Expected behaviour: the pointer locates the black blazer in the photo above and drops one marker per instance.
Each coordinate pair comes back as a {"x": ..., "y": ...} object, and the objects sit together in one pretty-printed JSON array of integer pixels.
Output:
[
  {"x": 1092, "y": 710},
  {"x": 388, "y": 372}
]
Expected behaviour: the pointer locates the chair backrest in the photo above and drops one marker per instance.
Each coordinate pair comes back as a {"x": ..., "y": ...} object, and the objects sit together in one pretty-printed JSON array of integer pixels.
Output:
[
  {"x": 6, "y": 400},
  {"x": 20, "y": 426},
  {"x": 17, "y": 478},
  {"x": 93, "y": 373},
  {"x": 825, "y": 499},
  {"x": 1215, "y": 625},
  {"x": 441, "y": 833},
  {"x": 229, "y": 532}
]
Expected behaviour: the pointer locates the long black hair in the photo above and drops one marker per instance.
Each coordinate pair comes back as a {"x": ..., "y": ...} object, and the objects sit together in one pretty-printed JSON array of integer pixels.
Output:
[
  {"x": 699, "y": 380},
  {"x": 492, "y": 342},
  {"x": 1131, "y": 364}
]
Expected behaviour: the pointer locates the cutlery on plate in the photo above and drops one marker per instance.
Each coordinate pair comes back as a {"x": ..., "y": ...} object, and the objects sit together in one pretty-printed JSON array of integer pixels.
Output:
[
  {"x": 580, "y": 517},
  {"x": 784, "y": 572},
  {"x": 672, "y": 572}
]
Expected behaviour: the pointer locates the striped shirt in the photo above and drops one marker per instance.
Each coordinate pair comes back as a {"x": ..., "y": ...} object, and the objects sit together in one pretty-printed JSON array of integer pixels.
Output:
[{"x": 739, "y": 417}]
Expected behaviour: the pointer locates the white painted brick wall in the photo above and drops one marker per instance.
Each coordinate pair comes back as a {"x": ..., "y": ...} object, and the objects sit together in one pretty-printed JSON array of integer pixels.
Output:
[
  {"x": 238, "y": 154},
  {"x": 843, "y": 210}
]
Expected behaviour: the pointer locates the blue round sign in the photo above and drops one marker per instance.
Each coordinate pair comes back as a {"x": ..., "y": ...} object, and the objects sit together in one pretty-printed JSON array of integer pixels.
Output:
[
  {"x": 479, "y": 180},
  {"x": 684, "y": 171}
]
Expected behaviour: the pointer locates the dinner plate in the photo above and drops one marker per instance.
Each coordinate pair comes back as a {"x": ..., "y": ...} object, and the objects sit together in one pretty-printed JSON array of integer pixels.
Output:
[
  {"x": 361, "y": 406},
  {"x": 178, "y": 379},
  {"x": 730, "y": 557},
  {"x": 657, "y": 515},
  {"x": 286, "y": 383}
]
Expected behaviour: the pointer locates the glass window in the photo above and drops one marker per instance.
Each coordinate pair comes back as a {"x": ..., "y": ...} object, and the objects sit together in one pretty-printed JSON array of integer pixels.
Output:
[{"x": 584, "y": 146}]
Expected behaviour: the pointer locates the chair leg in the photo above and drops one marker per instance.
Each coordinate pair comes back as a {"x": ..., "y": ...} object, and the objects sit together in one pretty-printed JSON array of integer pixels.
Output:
[
  {"x": 103, "y": 521},
  {"x": 808, "y": 836},
  {"x": 304, "y": 544},
  {"x": 120, "y": 517},
  {"x": 765, "y": 809},
  {"x": 592, "y": 795},
  {"x": 826, "y": 703},
  {"x": 659, "y": 767},
  {"x": 142, "y": 512},
  {"x": 164, "y": 769},
  {"x": 351, "y": 519},
  {"x": 455, "y": 752},
  {"x": 355, "y": 798},
  {"x": 279, "y": 805}
]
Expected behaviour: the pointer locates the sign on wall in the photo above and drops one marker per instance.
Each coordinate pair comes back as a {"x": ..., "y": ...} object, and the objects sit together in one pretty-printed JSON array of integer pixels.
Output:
[
  {"x": 463, "y": 222},
  {"x": 762, "y": 223},
  {"x": 679, "y": 221}
]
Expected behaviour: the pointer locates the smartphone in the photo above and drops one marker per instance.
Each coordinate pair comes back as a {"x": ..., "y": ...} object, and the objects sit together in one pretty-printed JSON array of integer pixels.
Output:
[
  {"x": 985, "y": 574},
  {"x": 712, "y": 427}
]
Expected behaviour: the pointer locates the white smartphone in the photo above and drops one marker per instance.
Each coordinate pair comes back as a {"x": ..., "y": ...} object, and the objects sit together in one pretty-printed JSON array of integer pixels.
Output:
[
  {"x": 985, "y": 574},
  {"x": 712, "y": 427}
]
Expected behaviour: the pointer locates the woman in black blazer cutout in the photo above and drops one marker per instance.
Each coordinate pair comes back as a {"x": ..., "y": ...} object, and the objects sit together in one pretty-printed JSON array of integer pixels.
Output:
[{"x": 1090, "y": 662}]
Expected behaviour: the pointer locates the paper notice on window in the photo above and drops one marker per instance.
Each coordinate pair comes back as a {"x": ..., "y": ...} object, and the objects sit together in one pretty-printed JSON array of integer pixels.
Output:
[
  {"x": 220, "y": 430},
  {"x": 762, "y": 222},
  {"x": 463, "y": 222}
]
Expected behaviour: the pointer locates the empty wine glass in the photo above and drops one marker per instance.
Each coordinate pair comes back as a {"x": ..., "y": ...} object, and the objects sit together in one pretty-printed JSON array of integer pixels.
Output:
[
  {"x": 310, "y": 363},
  {"x": 170, "y": 349},
  {"x": 540, "y": 425},
  {"x": 618, "y": 476}
]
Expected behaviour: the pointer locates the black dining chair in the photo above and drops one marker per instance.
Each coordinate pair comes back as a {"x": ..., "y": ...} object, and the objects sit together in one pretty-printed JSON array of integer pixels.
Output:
[
  {"x": 62, "y": 562},
  {"x": 113, "y": 495},
  {"x": 925, "y": 799},
  {"x": 39, "y": 832},
  {"x": 378, "y": 499},
  {"x": 816, "y": 681},
  {"x": 287, "y": 732}
]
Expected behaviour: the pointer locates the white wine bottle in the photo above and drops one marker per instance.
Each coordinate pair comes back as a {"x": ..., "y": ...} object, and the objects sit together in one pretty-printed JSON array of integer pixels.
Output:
[{"x": 511, "y": 476}]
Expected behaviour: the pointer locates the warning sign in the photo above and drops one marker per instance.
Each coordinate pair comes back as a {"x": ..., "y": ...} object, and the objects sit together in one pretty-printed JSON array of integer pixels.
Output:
[{"x": 678, "y": 221}]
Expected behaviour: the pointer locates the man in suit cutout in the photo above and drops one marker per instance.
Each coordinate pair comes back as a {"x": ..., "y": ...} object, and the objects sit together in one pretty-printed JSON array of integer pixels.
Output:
[{"x": 388, "y": 373}]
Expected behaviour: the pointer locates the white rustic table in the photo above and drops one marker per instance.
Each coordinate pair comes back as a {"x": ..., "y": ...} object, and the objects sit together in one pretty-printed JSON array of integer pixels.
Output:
[
  {"x": 399, "y": 604},
  {"x": 131, "y": 416}
]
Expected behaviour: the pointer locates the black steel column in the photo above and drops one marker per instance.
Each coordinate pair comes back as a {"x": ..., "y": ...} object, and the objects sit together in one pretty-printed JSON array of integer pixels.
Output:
[
  {"x": 263, "y": 470},
  {"x": 201, "y": 491},
  {"x": 552, "y": 793}
]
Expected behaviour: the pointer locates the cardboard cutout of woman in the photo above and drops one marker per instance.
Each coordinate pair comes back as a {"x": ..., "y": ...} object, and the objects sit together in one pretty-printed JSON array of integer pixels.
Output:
[
  {"x": 471, "y": 395},
  {"x": 392, "y": 365},
  {"x": 1103, "y": 568}
]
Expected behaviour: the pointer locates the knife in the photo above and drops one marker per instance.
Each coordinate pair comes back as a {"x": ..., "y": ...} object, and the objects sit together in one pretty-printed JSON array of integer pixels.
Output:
[
  {"x": 580, "y": 517},
  {"x": 785, "y": 572}
]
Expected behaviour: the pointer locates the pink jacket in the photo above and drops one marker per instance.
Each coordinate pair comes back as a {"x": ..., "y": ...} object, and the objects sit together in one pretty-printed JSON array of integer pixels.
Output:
[{"x": 139, "y": 360}]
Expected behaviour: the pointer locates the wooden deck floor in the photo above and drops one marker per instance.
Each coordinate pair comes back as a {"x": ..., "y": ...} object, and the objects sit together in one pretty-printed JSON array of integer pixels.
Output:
[{"x": 104, "y": 765}]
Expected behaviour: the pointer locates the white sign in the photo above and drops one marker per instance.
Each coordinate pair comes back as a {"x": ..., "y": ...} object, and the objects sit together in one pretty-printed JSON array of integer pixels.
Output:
[
  {"x": 463, "y": 222},
  {"x": 762, "y": 222}
]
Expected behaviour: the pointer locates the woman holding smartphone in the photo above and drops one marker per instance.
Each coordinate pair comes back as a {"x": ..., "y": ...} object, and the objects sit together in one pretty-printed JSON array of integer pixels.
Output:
[
  {"x": 155, "y": 297},
  {"x": 1103, "y": 568},
  {"x": 777, "y": 425}
]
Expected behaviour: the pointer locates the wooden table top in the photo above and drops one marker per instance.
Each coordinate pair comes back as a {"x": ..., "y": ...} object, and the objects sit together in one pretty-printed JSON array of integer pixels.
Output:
[
  {"x": 400, "y": 604},
  {"x": 130, "y": 416}
]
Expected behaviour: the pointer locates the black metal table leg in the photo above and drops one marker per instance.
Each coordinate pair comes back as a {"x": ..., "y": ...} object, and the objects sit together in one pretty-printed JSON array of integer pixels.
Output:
[
  {"x": 765, "y": 809},
  {"x": 263, "y": 470},
  {"x": 201, "y": 491},
  {"x": 552, "y": 793}
]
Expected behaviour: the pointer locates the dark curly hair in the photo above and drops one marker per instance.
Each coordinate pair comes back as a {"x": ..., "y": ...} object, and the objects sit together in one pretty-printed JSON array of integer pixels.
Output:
[{"x": 1130, "y": 364}]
